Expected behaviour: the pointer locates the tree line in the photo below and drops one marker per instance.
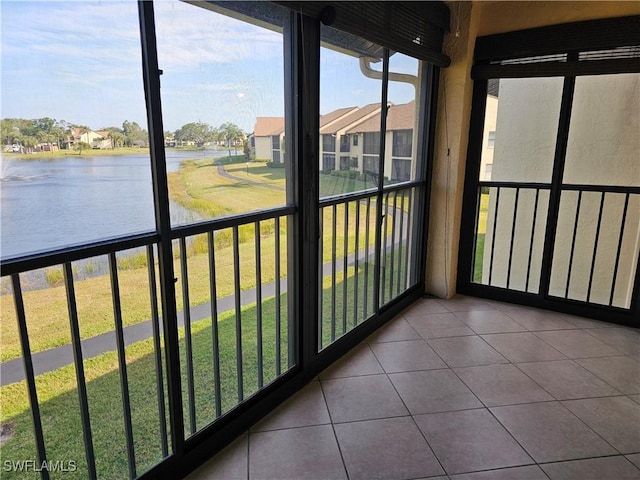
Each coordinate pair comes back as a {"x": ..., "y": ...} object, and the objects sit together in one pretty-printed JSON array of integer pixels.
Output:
[
  {"x": 34, "y": 132},
  {"x": 200, "y": 133}
]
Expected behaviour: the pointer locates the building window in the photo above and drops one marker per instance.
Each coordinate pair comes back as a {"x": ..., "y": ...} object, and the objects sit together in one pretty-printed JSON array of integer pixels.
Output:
[
  {"x": 401, "y": 170},
  {"x": 370, "y": 164},
  {"x": 371, "y": 143},
  {"x": 492, "y": 139},
  {"x": 344, "y": 143},
  {"x": 402, "y": 143},
  {"x": 328, "y": 162},
  {"x": 355, "y": 140},
  {"x": 328, "y": 143}
]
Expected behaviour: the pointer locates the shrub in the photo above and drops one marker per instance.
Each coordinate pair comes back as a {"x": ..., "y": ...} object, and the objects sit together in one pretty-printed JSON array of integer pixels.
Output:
[
  {"x": 53, "y": 276},
  {"x": 275, "y": 165}
]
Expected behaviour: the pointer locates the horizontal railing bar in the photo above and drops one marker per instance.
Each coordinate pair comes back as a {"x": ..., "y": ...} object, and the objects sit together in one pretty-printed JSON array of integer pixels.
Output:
[
  {"x": 34, "y": 261},
  {"x": 529, "y": 185},
  {"x": 402, "y": 186},
  {"x": 230, "y": 221},
  {"x": 602, "y": 188},
  {"x": 569, "y": 187},
  {"x": 370, "y": 192},
  {"x": 346, "y": 197},
  {"x": 554, "y": 298}
]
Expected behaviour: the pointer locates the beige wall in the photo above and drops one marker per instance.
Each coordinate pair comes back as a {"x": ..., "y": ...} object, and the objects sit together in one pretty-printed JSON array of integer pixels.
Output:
[
  {"x": 469, "y": 20},
  {"x": 263, "y": 148},
  {"x": 490, "y": 118}
]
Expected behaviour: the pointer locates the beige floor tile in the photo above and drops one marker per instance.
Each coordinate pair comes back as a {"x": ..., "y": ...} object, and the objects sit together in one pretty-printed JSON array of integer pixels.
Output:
[
  {"x": 362, "y": 398},
  {"x": 501, "y": 385},
  {"x": 616, "y": 419},
  {"x": 550, "y": 432},
  {"x": 433, "y": 391},
  {"x": 386, "y": 449},
  {"x": 565, "y": 379},
  {"x": 470, "y": 440},
  {"x": 609, "y": 468},
  {"x": 407, "y": 356},
  {"x": 295, "y": 453},
  {"x": 307, "y": 407}
]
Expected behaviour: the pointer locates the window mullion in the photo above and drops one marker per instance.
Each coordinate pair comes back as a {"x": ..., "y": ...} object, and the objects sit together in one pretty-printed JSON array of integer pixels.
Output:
[{"x": 151, "y": 77}]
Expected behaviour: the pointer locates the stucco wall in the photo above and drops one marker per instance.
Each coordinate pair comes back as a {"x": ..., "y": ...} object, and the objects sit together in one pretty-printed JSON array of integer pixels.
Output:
[
  {"x": 263, "y": 148},
  {"x": 469, "y": 20}
]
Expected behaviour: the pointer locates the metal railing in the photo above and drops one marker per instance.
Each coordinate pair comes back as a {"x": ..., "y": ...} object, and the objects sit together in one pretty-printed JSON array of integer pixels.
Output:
[
  {"x": 248, "y": 344},
  {"x": 349, "y": 227},
  {"x": 510, "y": 229}
]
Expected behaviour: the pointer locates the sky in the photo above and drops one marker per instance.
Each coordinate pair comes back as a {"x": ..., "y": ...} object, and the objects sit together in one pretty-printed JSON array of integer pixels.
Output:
[{"x": 80, "y": 61}]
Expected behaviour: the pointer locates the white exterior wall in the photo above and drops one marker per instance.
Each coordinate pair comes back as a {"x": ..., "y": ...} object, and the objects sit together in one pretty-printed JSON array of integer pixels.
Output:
[
  {"x": 263, "y": 148},
  {"x": 490, "y": 117},
  {"x": 603, "y": 148}
]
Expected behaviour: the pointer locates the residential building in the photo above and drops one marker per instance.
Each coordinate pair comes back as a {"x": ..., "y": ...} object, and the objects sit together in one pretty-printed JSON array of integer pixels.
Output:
[{"x": 266, "y": 141}]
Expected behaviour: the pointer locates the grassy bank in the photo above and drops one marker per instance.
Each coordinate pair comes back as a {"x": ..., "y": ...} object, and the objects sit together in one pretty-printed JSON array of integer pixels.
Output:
[
  {"x": 73, "y": 153},
  {"x": 192, "y": 186},
  {"x": 59, "y": 400}
]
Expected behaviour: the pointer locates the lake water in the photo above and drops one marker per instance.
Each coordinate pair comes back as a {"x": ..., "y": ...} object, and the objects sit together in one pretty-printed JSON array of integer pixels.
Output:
[{"x": 52, "y": 203}]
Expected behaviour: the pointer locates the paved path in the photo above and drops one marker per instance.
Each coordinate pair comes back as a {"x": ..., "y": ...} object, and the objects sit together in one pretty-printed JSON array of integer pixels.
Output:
[{"x": 12, "y": 371}]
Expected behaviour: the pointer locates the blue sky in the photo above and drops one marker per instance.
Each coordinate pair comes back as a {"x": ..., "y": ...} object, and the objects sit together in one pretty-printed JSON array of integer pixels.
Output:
[{"x": 80, "y": 61}]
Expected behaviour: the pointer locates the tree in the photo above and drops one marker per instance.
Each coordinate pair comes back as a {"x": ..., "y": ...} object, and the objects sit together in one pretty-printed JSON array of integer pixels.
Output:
[
  {"x": 117, "y": 138},
  {"x": 196, "y": 132},
  {"x": 231, "y": 134},
  {"x": 134, "y": 134},
  {"x": 82, "y": 146}
]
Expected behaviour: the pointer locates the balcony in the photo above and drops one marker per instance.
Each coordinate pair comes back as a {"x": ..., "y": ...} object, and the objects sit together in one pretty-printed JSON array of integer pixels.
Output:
[
  {"x": 455, "y": 387},
  {"x": 268, "y": 301}
]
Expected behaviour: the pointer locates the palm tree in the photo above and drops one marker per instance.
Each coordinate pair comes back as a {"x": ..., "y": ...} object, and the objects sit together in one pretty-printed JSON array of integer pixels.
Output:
[{"x": 230, "y": 132}]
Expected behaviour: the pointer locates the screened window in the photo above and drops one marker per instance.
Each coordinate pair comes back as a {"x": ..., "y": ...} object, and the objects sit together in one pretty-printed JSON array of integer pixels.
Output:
[
  {"x": 402, "y": 143},
  {"x": 329, "y": 143},
  {"x": 344, "y": 143},
  {"x": 371, "y": 143}
]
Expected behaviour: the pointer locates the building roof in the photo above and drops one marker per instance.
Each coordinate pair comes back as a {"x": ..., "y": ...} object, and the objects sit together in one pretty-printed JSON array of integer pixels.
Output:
[
  {"x": 335, "y": 115},
  {"x": 351, "y": 118},
  {"x": 399, "y": 117},
  {"x": 267, "y": 126}
]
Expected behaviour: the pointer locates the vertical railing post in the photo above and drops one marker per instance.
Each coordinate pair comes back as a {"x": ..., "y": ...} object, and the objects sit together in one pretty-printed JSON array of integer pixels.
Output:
[
  {"x": 79, "y": 366},
  {"x": 151, "y": 77},
  {"x": 29, "y": 373}
]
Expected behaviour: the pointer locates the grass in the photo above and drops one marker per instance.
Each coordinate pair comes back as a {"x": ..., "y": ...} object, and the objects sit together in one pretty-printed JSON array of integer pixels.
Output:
[
  {"x": 47, "y": 317},
  {"x": 85, "y": 153},
  {"x": 480, "y": 236},
  {"x": 48, "y": 327},
  {"x": 59, "y": 400}
]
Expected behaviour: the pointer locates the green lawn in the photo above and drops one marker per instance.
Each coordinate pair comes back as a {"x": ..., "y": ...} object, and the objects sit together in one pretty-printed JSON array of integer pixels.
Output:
[
  {"x": 480, "y": 236},
  {"x": 47, "y": 318},
  {"x": 46, "y": 310},
  {"x": 59, "y": 400}
]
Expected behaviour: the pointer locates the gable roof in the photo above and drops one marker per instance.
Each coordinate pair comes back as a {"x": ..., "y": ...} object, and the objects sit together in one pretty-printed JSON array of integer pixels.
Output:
[
  {"x": 351, "y": 118},
  {"x": 267, "y": 126},
  {"x": 335, "y": 115},
  {"x": 399, "y": 117}
]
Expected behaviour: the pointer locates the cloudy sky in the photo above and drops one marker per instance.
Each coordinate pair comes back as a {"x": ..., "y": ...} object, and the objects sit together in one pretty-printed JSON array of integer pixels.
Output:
[{"x": 80, "y": 61}]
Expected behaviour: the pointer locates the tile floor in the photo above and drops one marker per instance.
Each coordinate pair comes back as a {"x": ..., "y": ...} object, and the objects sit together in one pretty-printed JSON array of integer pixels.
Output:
[{"x": 463, "y": 389}]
